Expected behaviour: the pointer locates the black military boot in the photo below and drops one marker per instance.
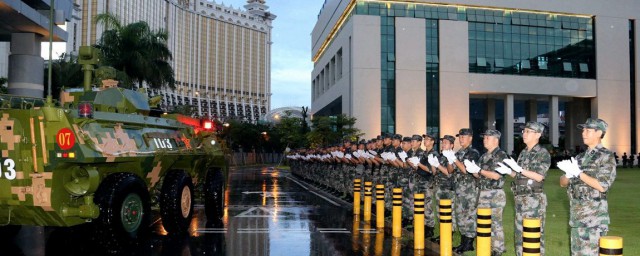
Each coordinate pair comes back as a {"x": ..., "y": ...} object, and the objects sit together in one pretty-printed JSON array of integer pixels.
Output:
[{"x": 465, "y": 245}]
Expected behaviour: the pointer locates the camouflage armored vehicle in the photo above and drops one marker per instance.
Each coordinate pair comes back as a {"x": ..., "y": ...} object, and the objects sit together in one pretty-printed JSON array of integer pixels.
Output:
[{"x": 103, "y": 156}]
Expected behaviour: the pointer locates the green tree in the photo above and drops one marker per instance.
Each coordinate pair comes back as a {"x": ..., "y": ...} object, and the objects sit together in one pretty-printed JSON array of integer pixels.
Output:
[
  {"x": 326, "y": 130},
  {"x": 140, "y": 53},
  {"x": 3, "y": 88},
  {"x": 65, "y": 72},
  {"x": 290, "y": 129}
]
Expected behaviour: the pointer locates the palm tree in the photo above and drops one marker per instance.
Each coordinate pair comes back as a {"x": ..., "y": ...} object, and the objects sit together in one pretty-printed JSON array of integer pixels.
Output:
[
  {"x": 66, "y": 72},
  {"x": 137, "y": 51}
]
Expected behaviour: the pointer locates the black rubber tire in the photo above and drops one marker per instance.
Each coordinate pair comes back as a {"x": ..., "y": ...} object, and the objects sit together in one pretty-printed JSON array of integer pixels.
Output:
[
  {"x": 214, "y": 194},
  {"x": 110, "y": 196},
  {"x": 9, "y": 232},
  {"x": 171, "y": 197}
]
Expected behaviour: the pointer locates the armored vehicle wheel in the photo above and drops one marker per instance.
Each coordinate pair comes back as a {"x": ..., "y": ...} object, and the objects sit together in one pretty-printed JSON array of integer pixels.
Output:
[
  {"x": 124, "y": 211},
  {"x": 176, "y": 202},
  {"x": 214, "y": 194}
]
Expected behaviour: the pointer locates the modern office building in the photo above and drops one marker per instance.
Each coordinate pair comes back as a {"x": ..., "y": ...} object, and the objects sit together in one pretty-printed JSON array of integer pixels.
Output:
[
  {"x": 412, "y": 67},
  {"x": 24, "y": 25},
  {"x": 221, "y": 54}
]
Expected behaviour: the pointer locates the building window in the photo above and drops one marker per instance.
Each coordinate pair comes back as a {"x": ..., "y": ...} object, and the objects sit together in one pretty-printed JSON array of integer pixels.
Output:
[
  {"x": 534, "y": 44},
  {"x": 339, "y": 64}
]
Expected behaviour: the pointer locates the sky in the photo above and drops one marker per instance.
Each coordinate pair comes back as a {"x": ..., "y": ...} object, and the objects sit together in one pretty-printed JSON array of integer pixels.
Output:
[{"x": 291, "y": 63}]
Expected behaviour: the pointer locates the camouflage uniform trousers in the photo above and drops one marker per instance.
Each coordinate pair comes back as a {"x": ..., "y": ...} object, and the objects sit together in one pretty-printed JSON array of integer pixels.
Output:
[
  {"x": 407, "y": 183},
  {"x": 496, "y": 200},
  {"x": 466, "y": 195},
  {"x": 585, "y": 240},
  {"x": 389, "y": 184},
  {"x": 352, "y": 173},
  {"x": 442, "y": 193},
  {"x": 529, "y": 206},
  {"x": 425, "y": 186}
]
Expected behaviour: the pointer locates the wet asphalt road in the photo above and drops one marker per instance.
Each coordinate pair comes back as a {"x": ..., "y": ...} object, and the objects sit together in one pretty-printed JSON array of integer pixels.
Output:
[{"x": 269, "y": 212}]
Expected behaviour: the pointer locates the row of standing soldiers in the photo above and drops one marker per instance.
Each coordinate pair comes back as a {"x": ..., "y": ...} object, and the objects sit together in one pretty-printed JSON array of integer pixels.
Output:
[{"x": 469, "y": 179}]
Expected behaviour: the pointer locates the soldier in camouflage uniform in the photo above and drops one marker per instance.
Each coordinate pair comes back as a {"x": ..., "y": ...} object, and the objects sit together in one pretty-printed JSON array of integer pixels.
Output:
[
  {"x": 587, "y": 180},
  {"x": 443, "y": 178},
  {"x": 466, "y": 190},
  {"x": 491, "y": 175},
  {"x": 529, "y": 173},
  {"x": 405, "y": 180},
  {"x": 424, "y": 182},
  {"x": 385, "y": 172}
]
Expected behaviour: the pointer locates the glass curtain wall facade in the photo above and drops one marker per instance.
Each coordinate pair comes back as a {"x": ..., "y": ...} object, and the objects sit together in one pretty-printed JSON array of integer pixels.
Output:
[
  {"x": 532, "y": 44},
  {"x": 500, "y": 42},
  {"x": 388, "y": 74}
]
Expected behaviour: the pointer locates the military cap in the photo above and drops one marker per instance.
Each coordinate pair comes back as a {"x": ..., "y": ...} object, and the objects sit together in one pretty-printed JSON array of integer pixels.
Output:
[
  {"x": 449, "y": 138},
  {"x": 594, "y": 123},
  {"x": 379, "y": 137},
  {"x": 386, "y": 136},
  {"x": 362, "y": 141},
  {"x": 374, "y": 140},
  {"x": 465, "y": 131},
  {"x": 535, "y": 126},
  {"x": 416, "y": 137},
  {"x": 492, "y": 132},
  {"x": 429, "y": 135},
  {"x": 397, "y": 137},
  {"x": 406, "y": 139}
]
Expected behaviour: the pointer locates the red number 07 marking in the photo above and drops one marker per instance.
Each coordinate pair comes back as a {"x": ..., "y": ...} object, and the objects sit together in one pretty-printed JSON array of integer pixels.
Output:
[{"x": 65, "y": 139}]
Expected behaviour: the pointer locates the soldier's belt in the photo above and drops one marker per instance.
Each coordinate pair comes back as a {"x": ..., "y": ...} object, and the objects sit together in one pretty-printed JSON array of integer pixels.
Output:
[
  {"x": 586, "y": 193},
  {"x": 526, "y": 190}
]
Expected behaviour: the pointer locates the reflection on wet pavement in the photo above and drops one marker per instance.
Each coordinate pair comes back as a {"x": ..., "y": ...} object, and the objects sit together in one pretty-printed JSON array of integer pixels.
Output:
[{"x": 269, "y": 212}]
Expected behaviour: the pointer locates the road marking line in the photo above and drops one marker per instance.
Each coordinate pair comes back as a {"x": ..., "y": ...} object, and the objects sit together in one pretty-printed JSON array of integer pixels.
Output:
[
  {"x": 321, "y": 196},
  {"x": 336, "y": 231}
]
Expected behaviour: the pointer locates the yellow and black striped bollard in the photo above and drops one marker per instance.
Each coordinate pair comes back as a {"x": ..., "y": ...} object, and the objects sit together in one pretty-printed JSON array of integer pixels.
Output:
[
  {"x": 531, "y": 237},
  {"x": 484, "y": 232},
  {"x": 380, "y": 206},
  {"x": 418, "y": 221},
  {"x": 367, "y": 201},
  {"x": 356, "y": 196},
  {"x": 379, "y": 249},
  {"x": 445, "y": 227},
  {"x": 610, "y": 245},
  {"x": 397, "y": 213}
]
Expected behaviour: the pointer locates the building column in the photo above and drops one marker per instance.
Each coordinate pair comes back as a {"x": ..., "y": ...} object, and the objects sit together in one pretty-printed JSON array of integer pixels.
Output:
[
  {"x": 454, "y": 75},
  {"x": 554, "y": 121},
  {"x": 507, "y": 132},
  {"x": 531, "y": 110},
  {"x": 491, "y": 114},
  {"x": 411, "y": 76},
  {"x": 575, "y": 115},
  {"x": 26, "y": 72}
]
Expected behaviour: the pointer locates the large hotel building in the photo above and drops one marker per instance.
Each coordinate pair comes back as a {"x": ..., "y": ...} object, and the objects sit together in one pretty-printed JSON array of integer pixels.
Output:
[
  {"x": 417, "y": 66},
  {"x": 221, "y": 54}
]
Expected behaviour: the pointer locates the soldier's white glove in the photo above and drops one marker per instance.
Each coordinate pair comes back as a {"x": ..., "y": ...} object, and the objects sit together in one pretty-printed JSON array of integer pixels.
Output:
[
  {"x": 471, "y": 166},
  {"x": 513, "y": 164},
  {"x": 433, "y": 161},
  {"x": 403, "y": 156},
  {"x": 503, "y": 169},
  {"x": 373, "y": 152},
  {"x": 347, "y": 156},
  {"x": 570, "y": 168},
  {"x": 356, "y": 154},
  {"x": 575, "y": 168},
  {"x": 450, "y": 155},
  {"x": 413, "y": 160}
]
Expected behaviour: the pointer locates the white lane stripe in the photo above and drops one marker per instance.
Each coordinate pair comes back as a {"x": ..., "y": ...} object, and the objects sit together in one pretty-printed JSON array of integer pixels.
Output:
[
  {"x": 331, "y": 229},
  {"x": 211, "y": 231},
  {"x": 340, "y": 232},
  {"x": 327, "y": 199},
  {"x": 294, "y": 180}
]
